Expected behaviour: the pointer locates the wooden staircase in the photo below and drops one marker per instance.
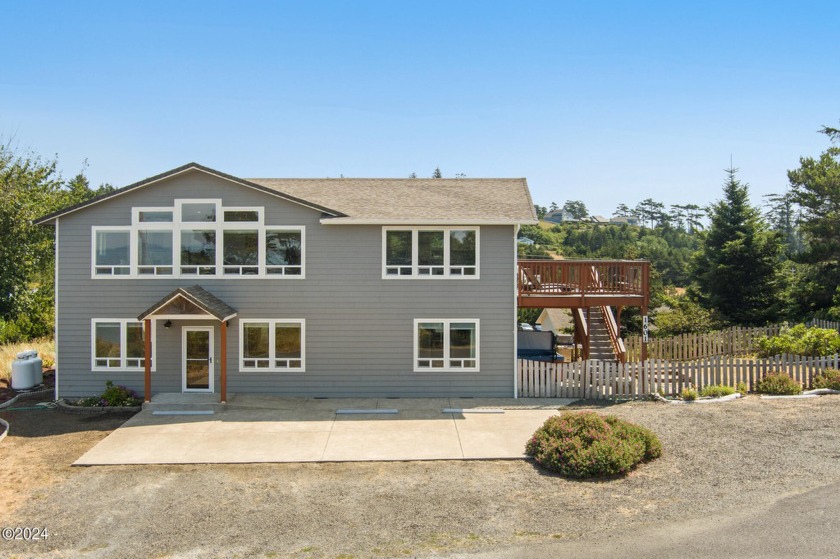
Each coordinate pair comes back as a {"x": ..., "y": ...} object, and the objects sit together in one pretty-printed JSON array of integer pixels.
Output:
[{"x": 597, "y": 333}]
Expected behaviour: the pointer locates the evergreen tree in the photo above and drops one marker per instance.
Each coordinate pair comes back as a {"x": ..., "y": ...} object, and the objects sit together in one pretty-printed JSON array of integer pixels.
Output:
[
  {"x": 815, "y": 187},
  {"x": 735, "y": 270},
  {"x": 437, "y": 174}
]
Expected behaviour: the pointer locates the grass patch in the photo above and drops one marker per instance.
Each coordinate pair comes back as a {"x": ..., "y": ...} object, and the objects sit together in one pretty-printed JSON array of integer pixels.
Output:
[
  {"x": 587, "y": 444},
  {"x": 688, "y": 394},
  {"x": 44, "y": 346},
  {"x": 717, "y": 391}
]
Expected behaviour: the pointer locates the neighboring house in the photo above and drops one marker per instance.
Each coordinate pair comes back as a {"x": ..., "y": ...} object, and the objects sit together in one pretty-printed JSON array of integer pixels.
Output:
[
  {"x": 525, "y": 241},
  {"x": 622, "y": 219},
  {"x": 559, "y": 216},
  {"x": 555, "y": 320},
  {"x": 598, "y": 219},
  {"x": 198, "y": 281}
]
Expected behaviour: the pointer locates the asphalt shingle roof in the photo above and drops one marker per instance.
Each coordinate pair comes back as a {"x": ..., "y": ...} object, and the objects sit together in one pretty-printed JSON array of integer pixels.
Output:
[
  {"x": 417, "y": 200},
  {"x": 197, "y": 296},
  {"x": 387, "y": 201}
]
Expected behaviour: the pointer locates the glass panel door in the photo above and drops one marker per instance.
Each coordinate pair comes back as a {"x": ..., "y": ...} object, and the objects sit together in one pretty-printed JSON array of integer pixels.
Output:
[{"x": 198, "y": 359}]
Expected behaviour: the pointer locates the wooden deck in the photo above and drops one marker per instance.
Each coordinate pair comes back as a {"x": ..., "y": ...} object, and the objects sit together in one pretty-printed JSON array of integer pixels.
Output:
[{"x": 573, "y": 284}]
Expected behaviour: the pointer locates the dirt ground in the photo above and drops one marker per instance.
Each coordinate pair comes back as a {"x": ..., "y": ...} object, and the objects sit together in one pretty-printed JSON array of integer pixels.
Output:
[{"x": 717, "y": 457}]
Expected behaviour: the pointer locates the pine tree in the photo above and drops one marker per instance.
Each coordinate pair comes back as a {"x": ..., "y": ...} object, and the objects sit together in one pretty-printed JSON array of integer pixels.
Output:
[
  {"x": 437, "y": 174},
  {"x": 735, "y": 270}
]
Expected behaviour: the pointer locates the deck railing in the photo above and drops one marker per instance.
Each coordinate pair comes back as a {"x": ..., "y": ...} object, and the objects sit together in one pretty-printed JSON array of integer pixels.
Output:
[{"x": 583, "y": 277}]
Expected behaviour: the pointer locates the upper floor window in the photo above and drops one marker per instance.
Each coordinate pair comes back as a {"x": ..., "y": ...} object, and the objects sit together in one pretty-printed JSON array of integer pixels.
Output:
[
  {"x": 429, "y": 252},
  {"x": 198, "y": 238}
]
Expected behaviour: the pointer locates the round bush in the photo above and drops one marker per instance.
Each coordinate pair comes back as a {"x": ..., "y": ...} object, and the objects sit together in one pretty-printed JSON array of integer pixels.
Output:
[
  {"x": 587, "y": 444},
  {"x": 830, "y": 378},
  {"x": 779, "y": 384}
]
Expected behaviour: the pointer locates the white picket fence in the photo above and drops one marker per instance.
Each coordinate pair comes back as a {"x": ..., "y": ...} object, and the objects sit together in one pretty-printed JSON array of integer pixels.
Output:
[{"x": 607, "y": 380}]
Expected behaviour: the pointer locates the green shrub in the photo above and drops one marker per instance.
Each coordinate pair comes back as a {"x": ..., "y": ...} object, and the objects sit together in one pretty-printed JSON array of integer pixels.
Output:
[
  {"x": 800, "y": 340},
  {"x": 114, "y": 395},
  {"x": 587, "y": 444},
  {"x": 779, "y": 384},
  {"x": 689, "y": 394},
  {"x": 717, "y": 390},
  {"x": 742, "y": 388},
  {"x": 829, "y": 378}
]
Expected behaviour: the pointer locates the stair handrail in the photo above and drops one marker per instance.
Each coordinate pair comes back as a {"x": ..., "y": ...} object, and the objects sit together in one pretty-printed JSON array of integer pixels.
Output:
[
  {"x": 581, "y": 330},
  {"x": 609, "y": 319}
]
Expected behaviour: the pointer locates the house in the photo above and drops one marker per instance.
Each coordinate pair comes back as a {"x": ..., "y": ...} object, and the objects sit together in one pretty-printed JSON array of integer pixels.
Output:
[
  {"x": 598, "y": 219},
  {"x": 525, "y": 241},
  {"x": 555, "y": 320},
  {"x": 625, "y": 219},
  {"x": 198, "y": 281},
  {"x": 559, "y": 216}
]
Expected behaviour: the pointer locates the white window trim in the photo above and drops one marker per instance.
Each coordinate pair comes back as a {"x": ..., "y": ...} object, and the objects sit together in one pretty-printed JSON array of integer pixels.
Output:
[
  {"x": 446, "y": 253},
  {"x": 271, "y": 341},
  {"x": 176, "y": 226},
  {"x": 123, "y": 345},
  {"x": 101, "y": 228},
  {"x": 446, "y": 328}
]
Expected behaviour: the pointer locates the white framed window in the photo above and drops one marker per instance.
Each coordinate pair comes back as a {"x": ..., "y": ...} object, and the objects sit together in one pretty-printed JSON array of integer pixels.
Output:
[
  {"x": 446, "y": 344},
  {"x": 119, "y": 344},
  {"x": 430, "y": 252},
  {"x": 198, "y": 237},
  {"x": 111, "y": 251},
  {"x": 272, "y": 345}
]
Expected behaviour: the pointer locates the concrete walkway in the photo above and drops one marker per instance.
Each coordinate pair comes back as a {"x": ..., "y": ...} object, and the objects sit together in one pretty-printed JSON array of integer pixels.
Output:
[{"x": 194, "y": 429}]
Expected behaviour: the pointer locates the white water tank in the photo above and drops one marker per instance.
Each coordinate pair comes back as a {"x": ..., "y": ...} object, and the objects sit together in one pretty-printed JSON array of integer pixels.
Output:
[
  {"x": 38, "y": 368},
  {"x": 23, "y": 372}
]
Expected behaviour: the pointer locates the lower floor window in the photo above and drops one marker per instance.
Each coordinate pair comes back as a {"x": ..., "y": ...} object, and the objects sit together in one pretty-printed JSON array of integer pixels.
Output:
[
  {"x": 272, "y": 345},
  {"x": 446, "y": 344},
  {"x": 119, "y": 344}
]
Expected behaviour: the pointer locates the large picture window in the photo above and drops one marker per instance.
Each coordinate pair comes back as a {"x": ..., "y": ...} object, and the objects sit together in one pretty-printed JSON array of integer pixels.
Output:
[
  {"x": 111, "y": 254},
  {"x": 415, "y": 252},
  {"x": 271, "y": 345},
  {"x": 119, "y": 344},
  {"x": 446, "y": 345},
  {"x": 198, "y": 238}
]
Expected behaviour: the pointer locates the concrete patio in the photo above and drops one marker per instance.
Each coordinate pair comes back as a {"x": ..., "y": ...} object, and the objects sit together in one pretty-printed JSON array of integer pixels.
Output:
[{"x": 196, "y": 429}]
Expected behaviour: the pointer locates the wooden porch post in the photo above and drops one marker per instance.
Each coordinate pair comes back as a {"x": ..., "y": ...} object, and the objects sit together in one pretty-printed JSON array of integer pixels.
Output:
[
  {"x": 147, "y": 385},
  {"x": 223, "y": 395}
]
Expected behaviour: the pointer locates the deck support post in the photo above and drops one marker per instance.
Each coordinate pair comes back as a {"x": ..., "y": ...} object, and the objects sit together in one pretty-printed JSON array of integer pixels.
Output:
[
  {"x": 223, "y": 375},
  {"x": 147, "y": 361}
]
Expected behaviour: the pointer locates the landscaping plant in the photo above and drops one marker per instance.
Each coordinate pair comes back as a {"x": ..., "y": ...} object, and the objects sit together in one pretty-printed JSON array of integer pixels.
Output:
[
  {"x": 742, "y": 388},
  {"x": 800, "y": 340},
  {"x": 779, "y": 384},
  {"x": 587, "y": 444},
  {"x": 829, "y": 378},
  {"x": 717, "y": 390},
  {"x": 114, "y": 395},
  {"x": 688, "y": 394}
]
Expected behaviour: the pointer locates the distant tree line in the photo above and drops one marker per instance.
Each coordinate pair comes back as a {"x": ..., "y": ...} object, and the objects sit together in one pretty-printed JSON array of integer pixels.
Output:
[{"x": 749, "y": 266}]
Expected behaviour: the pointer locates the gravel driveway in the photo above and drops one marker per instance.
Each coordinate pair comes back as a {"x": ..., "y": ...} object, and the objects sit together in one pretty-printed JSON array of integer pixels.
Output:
[{"x": 716, "y": 457}]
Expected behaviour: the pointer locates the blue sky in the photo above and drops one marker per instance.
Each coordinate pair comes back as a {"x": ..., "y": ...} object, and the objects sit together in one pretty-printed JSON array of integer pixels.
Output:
[{"x": 605, "y": 102}]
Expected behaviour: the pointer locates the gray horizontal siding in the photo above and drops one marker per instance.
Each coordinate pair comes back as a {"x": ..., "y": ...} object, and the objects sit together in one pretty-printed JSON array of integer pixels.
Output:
[{"x": 359, "y": 327}]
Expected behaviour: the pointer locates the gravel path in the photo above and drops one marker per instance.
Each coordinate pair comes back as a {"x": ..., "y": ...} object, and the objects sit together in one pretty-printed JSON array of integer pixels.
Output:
[{"x": 716, "y": 457}]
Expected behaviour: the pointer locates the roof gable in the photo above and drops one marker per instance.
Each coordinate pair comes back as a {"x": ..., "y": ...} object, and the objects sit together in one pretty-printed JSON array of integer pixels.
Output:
[{"x": 178, "y": 171}]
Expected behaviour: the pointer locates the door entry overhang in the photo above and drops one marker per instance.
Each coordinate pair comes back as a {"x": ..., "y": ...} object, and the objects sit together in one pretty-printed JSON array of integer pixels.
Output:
[{"x": 188, "y": 303}]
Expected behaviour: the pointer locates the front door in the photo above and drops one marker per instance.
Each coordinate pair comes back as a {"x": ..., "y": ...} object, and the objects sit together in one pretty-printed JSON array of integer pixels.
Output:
[{"x": 198, "y": 359}]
